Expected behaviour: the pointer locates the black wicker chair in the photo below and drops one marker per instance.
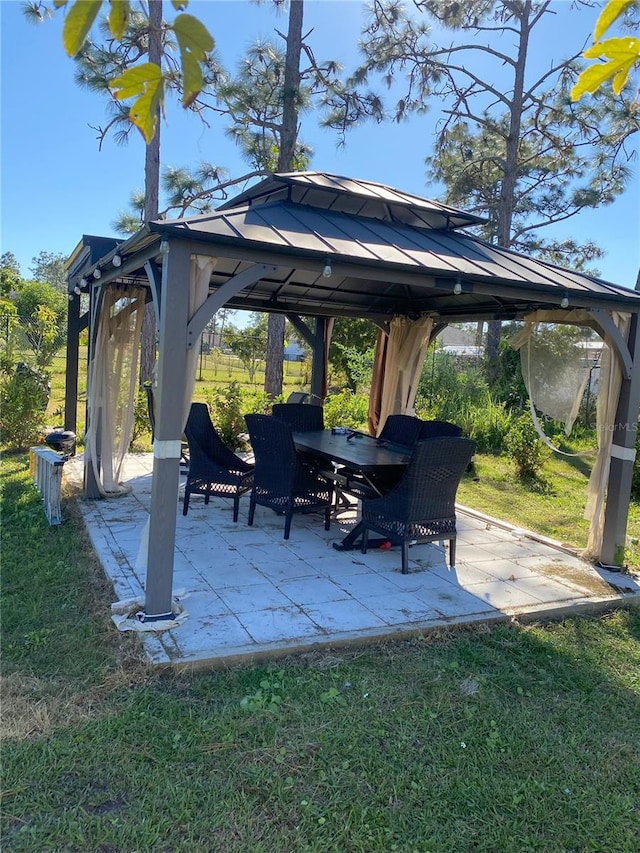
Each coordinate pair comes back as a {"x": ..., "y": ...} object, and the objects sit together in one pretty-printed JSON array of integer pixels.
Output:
[
  {"x": 421, "y": 507},
  {"x": 283, "y": 481},
  {"x": 438, "y": 429},
  {"x": 298, "y": 397},
  {"x": 301, "y": 417},
  {"x": 213, "y": 468},
  {"x": 401, "y": 429}
]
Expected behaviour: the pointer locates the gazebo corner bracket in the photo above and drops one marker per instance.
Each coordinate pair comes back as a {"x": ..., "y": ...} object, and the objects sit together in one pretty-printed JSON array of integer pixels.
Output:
[
  {"x": 605, "y": 321},
  {"x": 221, "y": 296}
]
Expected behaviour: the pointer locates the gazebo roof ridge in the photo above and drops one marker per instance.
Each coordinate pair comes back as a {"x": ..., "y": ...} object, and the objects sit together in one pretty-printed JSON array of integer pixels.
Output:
[{"x": 353, "y": 195}]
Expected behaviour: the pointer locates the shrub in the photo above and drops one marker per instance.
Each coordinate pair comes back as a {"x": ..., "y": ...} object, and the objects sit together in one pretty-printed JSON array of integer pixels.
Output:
[
  {"x": 346, "y": 409},
  {"x": 141, "y": 423},
  {"x": 23, "y": 403},
  {"x": 524, "y": 447},
  {"x": 488, "y": 423},
  {"x": 447, "y": 384},
  {"x": 227, "y": 415}
]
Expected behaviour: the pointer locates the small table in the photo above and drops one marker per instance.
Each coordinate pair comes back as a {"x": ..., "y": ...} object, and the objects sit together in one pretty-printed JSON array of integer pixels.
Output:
[{"x": 360, "y": 453}]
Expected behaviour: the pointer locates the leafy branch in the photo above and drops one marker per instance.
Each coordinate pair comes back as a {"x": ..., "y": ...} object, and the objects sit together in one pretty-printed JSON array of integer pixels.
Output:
[{"x": 145, "y": 82}]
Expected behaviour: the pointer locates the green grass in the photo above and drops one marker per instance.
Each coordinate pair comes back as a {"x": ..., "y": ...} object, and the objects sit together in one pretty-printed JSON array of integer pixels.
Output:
[
  {"x": 553, "y": 507},
  {"x": 484, "y": 739}
]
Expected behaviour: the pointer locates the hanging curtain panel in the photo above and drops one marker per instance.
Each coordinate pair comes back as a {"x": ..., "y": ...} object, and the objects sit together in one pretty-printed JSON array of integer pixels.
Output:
[
  {"x": 112, "y": 385},
  {"x": 556, "y": 388},
  {"x": 405, "y": 351},
  {"x": 609, "y": 385}
]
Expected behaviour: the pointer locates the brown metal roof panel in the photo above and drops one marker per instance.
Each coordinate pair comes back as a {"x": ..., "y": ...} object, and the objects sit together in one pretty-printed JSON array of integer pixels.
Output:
[
  {"x": 354, "y": 237},
  {"x": 433, "y": 250},
  {"x": 210, "y": 225},
  {"x": 462, "y": 251},
  {"x": 294, "y": 229},
  {"x": 540, "y": 272}
]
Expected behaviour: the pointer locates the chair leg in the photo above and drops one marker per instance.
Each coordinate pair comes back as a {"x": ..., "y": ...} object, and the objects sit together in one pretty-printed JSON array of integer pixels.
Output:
[
  {"x": 236, "y": 506},
  {"x": 287, "y": 524},
  {"x": 327, "y": 518},
  {"x": 252, "y": 509},
  {"x": 452, "y": 552},
  {"x": 185, "y": 507},
  {"x": 405, "y": 557},
  {"x": 365, "y": 540}
]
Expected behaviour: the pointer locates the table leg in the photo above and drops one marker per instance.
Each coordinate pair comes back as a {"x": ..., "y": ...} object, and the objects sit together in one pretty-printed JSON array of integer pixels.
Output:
[{"x": 349, "y": 541}]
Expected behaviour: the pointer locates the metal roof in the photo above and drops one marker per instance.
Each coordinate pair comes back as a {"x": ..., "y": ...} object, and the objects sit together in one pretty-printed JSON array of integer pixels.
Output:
[{"x": 389, "y": 253}]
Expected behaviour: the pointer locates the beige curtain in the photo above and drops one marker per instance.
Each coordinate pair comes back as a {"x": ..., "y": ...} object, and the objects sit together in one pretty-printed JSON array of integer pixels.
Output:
[
  {"x": 377, "y": 382},
  {"x": 200, "y": 269},
  {"x": 609, "y": 383},
  {"x": 112, "y": 385},
  {"x": 405, "y": 352}
]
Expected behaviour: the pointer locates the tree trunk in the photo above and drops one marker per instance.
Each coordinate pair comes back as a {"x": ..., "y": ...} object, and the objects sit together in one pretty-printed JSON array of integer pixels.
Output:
[
  {"x": 288, "y": 137},
  {"x": 510, "y": 175},
  {"x": 151, "y": 195}
]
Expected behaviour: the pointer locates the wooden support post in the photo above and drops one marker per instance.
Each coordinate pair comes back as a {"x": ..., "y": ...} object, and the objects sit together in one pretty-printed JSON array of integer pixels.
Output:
[
  {"x": 174, "y": 308},
  {"x": 622, "y": 458}
]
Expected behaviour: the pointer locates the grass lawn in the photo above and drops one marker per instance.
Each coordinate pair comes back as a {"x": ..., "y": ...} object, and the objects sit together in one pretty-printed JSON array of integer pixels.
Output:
[
  {"x": 489, "y": 740},
  {"x": 554, "y": 508}
]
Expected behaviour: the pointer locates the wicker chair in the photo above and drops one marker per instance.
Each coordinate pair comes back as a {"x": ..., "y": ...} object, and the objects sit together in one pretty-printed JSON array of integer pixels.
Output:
[
  {"x": 438, "y": 429},
  {"x": 421, "y": 507},
  {"x": 283, "y": 481},
  {"x": 213, "y": 468},
  {"x": 301, "y": 417},
  {"x": 298, "y": 397},
  {"x": 401, "y": 429}
]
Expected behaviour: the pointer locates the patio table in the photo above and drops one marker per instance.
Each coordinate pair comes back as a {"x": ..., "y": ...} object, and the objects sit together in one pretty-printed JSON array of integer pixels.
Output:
[{"x": 359, "y": 453}]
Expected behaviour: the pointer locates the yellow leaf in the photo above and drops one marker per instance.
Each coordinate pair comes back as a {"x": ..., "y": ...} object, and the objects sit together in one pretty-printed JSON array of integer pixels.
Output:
[
  {"x": 609, "y": 14},
  {"x": 614, "y": 48},
  {"x": 617, "y": 84},
  {"x": 195, "y": 41},
  {"x": 77, "y": 24},
  {"x": 135, "y": 80},
  {"x": 590, "y": 80},
  {"x": 146, "y": 84},
  {"x": 179, "y": 5},
  {"x": 58, "y": 4},
  {"x": 144, "y": 113},
  {"x": 593, "y": 77},
  {"x": 119, "y": 17}
]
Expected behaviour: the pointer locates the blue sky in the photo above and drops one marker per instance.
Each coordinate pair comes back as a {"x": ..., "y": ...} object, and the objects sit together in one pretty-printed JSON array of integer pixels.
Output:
[{"x": 57, "y": 185}]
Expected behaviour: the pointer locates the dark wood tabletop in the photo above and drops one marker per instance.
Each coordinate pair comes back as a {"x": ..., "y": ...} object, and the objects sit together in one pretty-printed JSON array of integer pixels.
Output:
[{"x": 360, "y": 452}]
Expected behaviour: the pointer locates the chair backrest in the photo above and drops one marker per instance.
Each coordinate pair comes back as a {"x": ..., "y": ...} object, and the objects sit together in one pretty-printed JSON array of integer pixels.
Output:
[
  {"x": 301, "y": 417},
  {"x": 427, "y": 489},
  {"x": 437, "y": 429},
  {"x": 276, "y": 459},
  {"x": 204, "y": 439},
  {"x": 401, "y": 429},
  {"x": 298, "y": 397}
]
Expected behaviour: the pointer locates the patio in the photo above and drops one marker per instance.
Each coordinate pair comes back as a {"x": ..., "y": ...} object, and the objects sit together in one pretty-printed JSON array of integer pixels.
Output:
[{"x": 250, "y": 594}]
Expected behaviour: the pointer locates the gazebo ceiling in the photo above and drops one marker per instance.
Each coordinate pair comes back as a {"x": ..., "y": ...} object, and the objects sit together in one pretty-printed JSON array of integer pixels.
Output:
[{"x": 343, "y": 247}]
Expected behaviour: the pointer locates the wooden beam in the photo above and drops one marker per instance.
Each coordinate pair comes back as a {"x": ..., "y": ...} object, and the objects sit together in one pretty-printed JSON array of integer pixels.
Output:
[{"x": 168, "y": 432}]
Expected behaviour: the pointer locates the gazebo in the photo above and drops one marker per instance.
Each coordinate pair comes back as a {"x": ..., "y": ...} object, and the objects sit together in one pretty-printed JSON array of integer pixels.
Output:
[{"x": 315, "y": 246}]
